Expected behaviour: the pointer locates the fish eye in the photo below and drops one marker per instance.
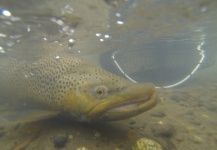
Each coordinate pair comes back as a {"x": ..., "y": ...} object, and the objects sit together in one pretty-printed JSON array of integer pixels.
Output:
[{"x": 101, "y": 91}]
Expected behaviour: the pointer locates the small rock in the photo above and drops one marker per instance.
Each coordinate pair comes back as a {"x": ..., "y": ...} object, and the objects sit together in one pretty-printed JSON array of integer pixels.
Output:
[
  {"x": 197, "y": 139},
  {"x": 82, "y": 148},
  {"x": 2, "y": 128},
  {"x": 113, "y": 3},
  {"x": 104, "y": 139},
  {"x": 158, "y": 114},
  {"x": 2, "y": 134},
  {"x": 190, "y": 128},
  {"x": 131, "y": 134},
  {"x": 200, "y": 103},
  {"x": 121, "y": 146},
  {"x": 189, "y": 112},
  {"x": 175, "y": 98},
  {"x": 97, "y": 145},
  {"x": 179, "y": 139},
  {"x": 212, "y": 123},
  {"x": 166, "y": 130},
  {"x": 211, "y": 107},
  {"x": 160, "y": 122},
  {"x": 70, "y": 137},
  {"x": 132, "y": 122},
  {"x": 60, "y": 140},
  {"x": 215, "y": 139},
  {"x": 205, "y": 116},
  {"x": 144, "y": 124},
  {"x": 97, "y": 134},
  {"x": 147, "y": 144},
  {"x": 197, "y": 123}
]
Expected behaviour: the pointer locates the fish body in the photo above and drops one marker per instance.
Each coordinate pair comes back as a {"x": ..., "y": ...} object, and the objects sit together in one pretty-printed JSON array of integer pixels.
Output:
[{"x": 74, "y": 87}]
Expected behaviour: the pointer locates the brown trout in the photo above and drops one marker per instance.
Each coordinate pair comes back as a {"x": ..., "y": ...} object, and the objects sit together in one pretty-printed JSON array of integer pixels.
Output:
[{"x": 73, "y": 87}]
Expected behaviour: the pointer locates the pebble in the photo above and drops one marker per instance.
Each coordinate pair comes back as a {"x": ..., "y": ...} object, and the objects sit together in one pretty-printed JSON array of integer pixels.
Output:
[
  {"x": 212, "y": 122},
  {"x": 200, "y": 103},
  {"x": 104, "y": 139},
  {"x": 190, "y": 128},
  {"x": 2, "y": 128},
  {"x": 175, "y": 98},
  {"x": 205, "y": 116},
  {"x": 97, "y": 134},
  {"x": 160, "y": 122},
  {"x": 70, "y": 137},
  {"x": 189, "y": 112},
  {"x": 2, "y": 134},
  {"x": 60, "y": 140},
  {"x": 121, "y": 146},
  {"x": 82, "y": 148},
  {"x": 158, "y": 114},
  {"x": 165, "y": 130},
  {"x": 215, "y": 139},
  {"x": 132, "y": 122},
  {"x": 197, "y": 139},
  {"x": 197, "y": 123},
  {"x": 179, "y": 139},
  {"x": 211, "y": 107},
  {"x": 144, "y": 124},
  {"x": 131, "y": 134},
  {"x": 112, "y": 2},
  {"x": 147, "y": 144}
]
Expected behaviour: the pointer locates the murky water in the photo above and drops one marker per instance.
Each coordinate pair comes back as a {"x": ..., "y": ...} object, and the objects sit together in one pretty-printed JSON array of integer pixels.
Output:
[{"x": 169, "y": 43}]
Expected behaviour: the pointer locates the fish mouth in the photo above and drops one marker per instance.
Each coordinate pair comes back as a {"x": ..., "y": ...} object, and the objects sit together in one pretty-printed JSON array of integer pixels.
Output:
[
  {"x": 126, "y": 108},
  {"x": 128, "y": 104}
]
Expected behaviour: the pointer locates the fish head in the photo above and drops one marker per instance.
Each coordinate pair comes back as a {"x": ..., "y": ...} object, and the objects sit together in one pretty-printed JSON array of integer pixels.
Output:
[{"x": 102, "y": 96}]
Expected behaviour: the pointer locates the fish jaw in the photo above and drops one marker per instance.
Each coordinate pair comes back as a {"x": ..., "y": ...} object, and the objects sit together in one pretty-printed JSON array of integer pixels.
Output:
[{"x": 134, "y": 100}]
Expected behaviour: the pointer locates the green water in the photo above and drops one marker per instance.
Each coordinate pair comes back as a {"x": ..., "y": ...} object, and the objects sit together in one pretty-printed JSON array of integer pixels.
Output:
[{"x": 156, "y": 41}]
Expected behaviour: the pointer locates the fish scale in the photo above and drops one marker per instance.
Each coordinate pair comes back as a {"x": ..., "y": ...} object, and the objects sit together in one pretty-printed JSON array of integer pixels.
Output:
[
  {"x": 38, "y": 78},
  {"x": 70, "y": 84}
]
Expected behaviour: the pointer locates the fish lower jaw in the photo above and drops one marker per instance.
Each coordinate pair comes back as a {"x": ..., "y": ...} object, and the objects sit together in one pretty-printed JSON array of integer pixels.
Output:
[
  {"x": 126, "y": 109},
  {"x": 128, "y": 104}
]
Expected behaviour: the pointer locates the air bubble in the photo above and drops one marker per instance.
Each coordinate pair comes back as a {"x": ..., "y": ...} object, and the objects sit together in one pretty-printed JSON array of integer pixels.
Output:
[
  {"x": 2, "y": 35},
  {"x": 107, "y": 36},
  {"x": 28, "y": 28},
  {"x": 57, "y": 57},
  {"x": 117, "y": 14},
  {"x": 204, "y": 8},
  {"x": 71, "y": 40},
  {"x": 6, "y": 13},
  {"x": 98, "y": 34},
  {"x": 2, "y": 50},
  {"x": 120, "y": 22}
]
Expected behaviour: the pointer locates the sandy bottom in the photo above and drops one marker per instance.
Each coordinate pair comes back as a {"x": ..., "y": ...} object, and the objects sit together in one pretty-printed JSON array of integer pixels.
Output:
[{"x": 184, "y": 119}]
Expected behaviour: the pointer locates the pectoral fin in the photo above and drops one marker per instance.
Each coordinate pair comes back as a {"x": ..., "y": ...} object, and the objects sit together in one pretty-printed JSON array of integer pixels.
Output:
[{"x": 24, "y": 116}]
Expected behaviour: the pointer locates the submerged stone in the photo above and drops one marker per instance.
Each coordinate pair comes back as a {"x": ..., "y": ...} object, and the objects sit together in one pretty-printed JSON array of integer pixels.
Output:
[
  {"x": 60, "y": 140},
  {"x": 165, "y": 130},
  {"x": 147, "y": 144}
]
